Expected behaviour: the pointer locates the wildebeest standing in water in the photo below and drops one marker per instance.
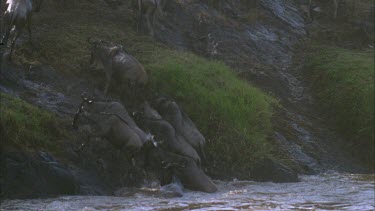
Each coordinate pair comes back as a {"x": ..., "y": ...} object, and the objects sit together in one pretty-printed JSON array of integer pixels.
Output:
[
  {"x": 117, "y": 63},
  {"x": 16, "y": 17}
]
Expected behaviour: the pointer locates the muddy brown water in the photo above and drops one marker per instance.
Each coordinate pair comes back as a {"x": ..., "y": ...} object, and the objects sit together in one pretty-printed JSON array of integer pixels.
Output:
[{"x": 331, "y": 191}]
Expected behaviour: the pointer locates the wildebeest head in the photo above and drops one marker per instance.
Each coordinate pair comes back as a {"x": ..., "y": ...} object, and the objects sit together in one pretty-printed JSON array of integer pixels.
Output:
[
  {"x": 149, "y": 112},
  {"x": 84, "y": 107}
]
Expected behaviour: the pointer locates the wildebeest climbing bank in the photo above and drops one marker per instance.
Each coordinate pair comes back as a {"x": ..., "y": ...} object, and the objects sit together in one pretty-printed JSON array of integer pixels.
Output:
[{"x": 200, "y": 99}]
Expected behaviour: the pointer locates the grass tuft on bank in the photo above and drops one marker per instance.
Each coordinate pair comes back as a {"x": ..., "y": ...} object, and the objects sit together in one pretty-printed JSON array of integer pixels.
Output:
[
  {"x": 232, "y": 114},
  {"x": 28, "y": 127},
  {"x": 343, "y": 82}
]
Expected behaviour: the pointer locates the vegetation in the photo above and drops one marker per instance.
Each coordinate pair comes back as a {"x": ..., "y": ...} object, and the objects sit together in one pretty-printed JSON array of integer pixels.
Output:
[
  {"x": 233, "y": 115},
  {"x": 343, "y": 81},
  {"x": 28, "y": 127}
]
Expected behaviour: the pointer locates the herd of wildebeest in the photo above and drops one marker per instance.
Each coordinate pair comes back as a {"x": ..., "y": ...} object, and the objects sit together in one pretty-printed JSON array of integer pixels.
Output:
[
  {"x": 162, "y": 132},
  {"x": 163, "y": 136}
]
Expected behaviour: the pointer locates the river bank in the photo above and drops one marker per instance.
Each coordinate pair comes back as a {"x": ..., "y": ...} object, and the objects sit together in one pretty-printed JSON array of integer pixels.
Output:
[
  {"x": 331, "y": 191},
  {"x": 235, "y": 74}
]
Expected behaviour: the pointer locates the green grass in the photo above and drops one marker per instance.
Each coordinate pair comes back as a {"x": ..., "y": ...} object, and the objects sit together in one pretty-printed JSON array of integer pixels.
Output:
[
  {"x": 343, "y": 81},
  {"x": 233, "y": 115},
  {"x": 28, "y": 127}
]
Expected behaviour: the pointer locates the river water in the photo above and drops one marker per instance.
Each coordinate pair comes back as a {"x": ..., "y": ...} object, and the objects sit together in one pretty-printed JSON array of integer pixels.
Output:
[{"x": 318, "y": 192}]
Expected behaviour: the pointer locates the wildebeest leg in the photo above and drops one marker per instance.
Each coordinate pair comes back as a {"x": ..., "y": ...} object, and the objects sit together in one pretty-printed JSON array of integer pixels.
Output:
[
  {"x": 310, "y": 11},
  {"x": 150, "y": 20},
  {"x": 4, "y": 41},
  {"x": 1, "y": 27},
  {"x": 16, "y": 35},
  {"x": 160, "y": 6},
  {"x": 29, "y": 28},
  {"x": 132, "y": 91},
  {"x": 335, "y": 7},
  {"x": 202, "y": 154},
  {"x": 37, "y": 5},
  {"x": 7, "y": 29},
  {"x": 139, "y": 15},
  {"x": 129, "y": 155},
  {"x": 109, "y": 77}
]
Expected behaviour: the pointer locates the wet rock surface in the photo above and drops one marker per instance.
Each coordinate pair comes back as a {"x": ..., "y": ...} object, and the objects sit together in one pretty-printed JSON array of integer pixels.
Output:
[{"x": 35, "y": 175}]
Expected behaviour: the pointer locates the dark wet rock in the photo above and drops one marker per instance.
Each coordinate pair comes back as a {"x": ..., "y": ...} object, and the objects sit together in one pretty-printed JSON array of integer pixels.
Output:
[
  {"x": 307, "y": 162},
  {"x": 287, "y": 12},
  {"x": 269, "y": 170},
  {"x": 268, "y": 40},
  {"x": 34, "y": 174},
  {"x": 90, "y": 183}
]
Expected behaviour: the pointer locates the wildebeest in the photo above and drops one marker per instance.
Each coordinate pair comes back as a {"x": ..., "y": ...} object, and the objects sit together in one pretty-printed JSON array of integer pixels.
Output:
[
  {"x": 148, "y": 8},
  {"x": 183, "y": 125},
  {"x": 166, "y": 134},
  {"x": 117, "y": 63},
  {"x": 111, "y": 121},
  {"x": 16, "y": 17},
  {"x": 184, "y": 168}
]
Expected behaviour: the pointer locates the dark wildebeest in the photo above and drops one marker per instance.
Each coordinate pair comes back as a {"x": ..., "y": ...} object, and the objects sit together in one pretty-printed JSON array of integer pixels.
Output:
[
  {"x": 166, "y": 134},
  {"x": 118, "y": 64},
  {"x": 173, "y": 113},
  {"x": 110, "y": 120},
  {"x": 16, "y": 17},
  {"x": 182, "y": 167}
]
